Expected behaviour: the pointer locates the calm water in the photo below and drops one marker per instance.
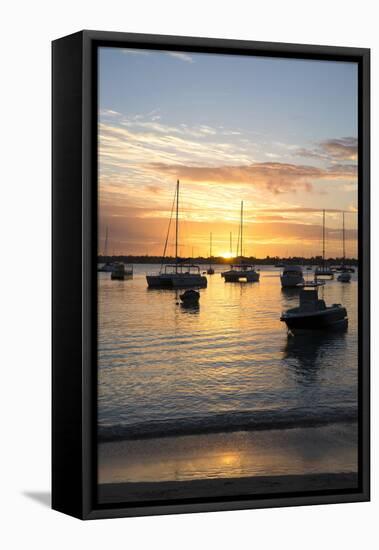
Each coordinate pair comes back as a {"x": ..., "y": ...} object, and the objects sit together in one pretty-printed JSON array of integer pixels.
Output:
[{"x": 166, "y": 369}]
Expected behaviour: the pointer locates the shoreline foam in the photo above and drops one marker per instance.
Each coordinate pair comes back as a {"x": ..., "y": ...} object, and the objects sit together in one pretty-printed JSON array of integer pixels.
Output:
[{"x": 228, "y": 422}]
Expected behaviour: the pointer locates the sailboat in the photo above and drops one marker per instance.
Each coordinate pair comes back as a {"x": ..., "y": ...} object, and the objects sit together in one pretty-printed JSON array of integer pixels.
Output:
[
  {"x": 210, "y": 269},
  {"x": 179, "y": 274},
  {"x": 344, "y": 276},
  {"x": 107, "y": 267},
  {"x": 323, "y": 270},
  {"x": 241, "y": 271}
]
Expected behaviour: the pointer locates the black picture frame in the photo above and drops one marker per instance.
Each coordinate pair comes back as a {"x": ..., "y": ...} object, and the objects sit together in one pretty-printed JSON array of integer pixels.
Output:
[{"x": 74, "y": 294}]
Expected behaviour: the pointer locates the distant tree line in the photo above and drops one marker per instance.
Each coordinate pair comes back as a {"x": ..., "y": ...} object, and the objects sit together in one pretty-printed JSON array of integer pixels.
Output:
[{"x": 269, "y": 260}]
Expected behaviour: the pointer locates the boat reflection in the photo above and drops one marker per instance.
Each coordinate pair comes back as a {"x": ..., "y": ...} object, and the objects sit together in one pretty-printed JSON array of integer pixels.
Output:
[
  {"x": 305, "y": 352},
  {"x": 290, "y": 290},
  {"x": 189, "y": 308}
]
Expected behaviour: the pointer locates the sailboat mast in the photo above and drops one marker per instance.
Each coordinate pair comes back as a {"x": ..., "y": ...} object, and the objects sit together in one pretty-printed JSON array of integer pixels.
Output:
[
  {"x": 177, "y": 226},
  {"x": 210, "y": 246},
  {"x": 231, "y": 248},
  {"x": 106, "y": 242},
  {"x": 343, "y": 236},
  {"x": 323, "y": 237},
  {"x": 241, "y": 224}
]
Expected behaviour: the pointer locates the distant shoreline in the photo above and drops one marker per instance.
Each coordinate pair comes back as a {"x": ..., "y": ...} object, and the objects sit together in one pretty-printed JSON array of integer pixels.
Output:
[
  {"x": 314, "y": 261},
  {"x": 202, "y": 488}
]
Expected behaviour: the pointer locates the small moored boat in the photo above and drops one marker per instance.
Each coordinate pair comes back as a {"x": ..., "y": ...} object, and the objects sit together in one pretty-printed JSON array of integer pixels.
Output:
[
  {"x": 210, "y": 269},
  {"x": 344, "y": 277},
  {"x": 108, "y": 267},
  {"x": 190, "y": 297},
  {"x": 121, "y": 271}
]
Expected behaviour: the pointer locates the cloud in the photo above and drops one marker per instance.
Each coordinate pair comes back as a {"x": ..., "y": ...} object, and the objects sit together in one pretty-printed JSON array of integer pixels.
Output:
[
  {"x": 299, "y": 210},
  {"x": 132, "y": 51},
  {"x": 109, "y": 113},
  {"x": 134, "y": 144},
  {"x": 182, "y": 56},
  {"x": 276, "y": 177},
  {"x": 340, "y": 149},
  {"x": 154, "y": 188}
]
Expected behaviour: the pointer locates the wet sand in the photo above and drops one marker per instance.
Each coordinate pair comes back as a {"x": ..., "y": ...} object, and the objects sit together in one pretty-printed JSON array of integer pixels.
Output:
[
  {"x": 261, "y": 485},
  {"x": 244, "y": 454}
]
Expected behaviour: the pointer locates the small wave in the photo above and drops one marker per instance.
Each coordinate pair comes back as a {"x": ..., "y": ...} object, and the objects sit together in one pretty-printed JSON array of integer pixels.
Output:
[{"x": 228, "y": 422}]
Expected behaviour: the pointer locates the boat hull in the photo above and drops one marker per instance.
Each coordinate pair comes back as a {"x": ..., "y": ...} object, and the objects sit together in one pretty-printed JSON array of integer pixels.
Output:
[
  {"x": 236, "y": 276},
  {"x": 324, "y": 273},
  {"x": 121, "y": 276},
  {"x": 344, "y": 278},
  {"x": 190, "y": 298},
  {"x": 333, "y": 318},
  {"x": 106, "y": 268},
  {"x": 291, "y": 282},
  {"x": 176, "y": 281}
]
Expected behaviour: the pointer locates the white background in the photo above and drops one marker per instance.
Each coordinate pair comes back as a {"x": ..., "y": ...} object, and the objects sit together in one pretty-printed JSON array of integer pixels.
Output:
[{"x": 26, "y": 31}]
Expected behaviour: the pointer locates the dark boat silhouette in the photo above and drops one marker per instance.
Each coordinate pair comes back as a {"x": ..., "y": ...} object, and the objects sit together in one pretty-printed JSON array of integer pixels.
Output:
[
  {"x": 313, "y": 314},
  {"x": 190, "y": 297}
]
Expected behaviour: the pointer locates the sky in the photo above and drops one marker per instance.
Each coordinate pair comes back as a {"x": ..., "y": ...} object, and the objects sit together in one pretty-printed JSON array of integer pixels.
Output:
[{"x": 278, "y": 134}]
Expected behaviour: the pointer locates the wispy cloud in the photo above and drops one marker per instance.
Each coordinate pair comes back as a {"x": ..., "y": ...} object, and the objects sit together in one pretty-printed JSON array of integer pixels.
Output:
[
  {"x": 182, "y": 56},
  {"x": 276, "y": 177},
  {"x": 132, "y": 51},
  {"x": 137, "y": 143},
  {"x": 339, "y": 149},
  {"x": 109, "y": 113}
]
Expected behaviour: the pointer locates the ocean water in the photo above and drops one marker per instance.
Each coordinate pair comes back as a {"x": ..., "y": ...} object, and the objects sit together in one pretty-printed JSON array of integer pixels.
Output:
[{"x": 228, "y": 365}]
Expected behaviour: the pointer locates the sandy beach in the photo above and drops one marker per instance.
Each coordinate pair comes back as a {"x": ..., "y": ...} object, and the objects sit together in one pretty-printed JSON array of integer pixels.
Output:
[{"x": 233, "y": 463}]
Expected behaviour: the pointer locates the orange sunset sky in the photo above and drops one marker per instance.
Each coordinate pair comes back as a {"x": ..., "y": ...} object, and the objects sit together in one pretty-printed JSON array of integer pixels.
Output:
[{"x": 279, "y": 134}]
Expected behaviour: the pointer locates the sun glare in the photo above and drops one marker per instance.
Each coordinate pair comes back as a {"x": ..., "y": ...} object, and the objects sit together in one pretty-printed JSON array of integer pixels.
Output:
[{"x": 226, "y": 255}]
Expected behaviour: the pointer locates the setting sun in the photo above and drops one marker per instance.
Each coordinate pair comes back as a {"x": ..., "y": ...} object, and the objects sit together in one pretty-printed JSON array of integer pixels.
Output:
[{"x": 226, "y": 255}]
